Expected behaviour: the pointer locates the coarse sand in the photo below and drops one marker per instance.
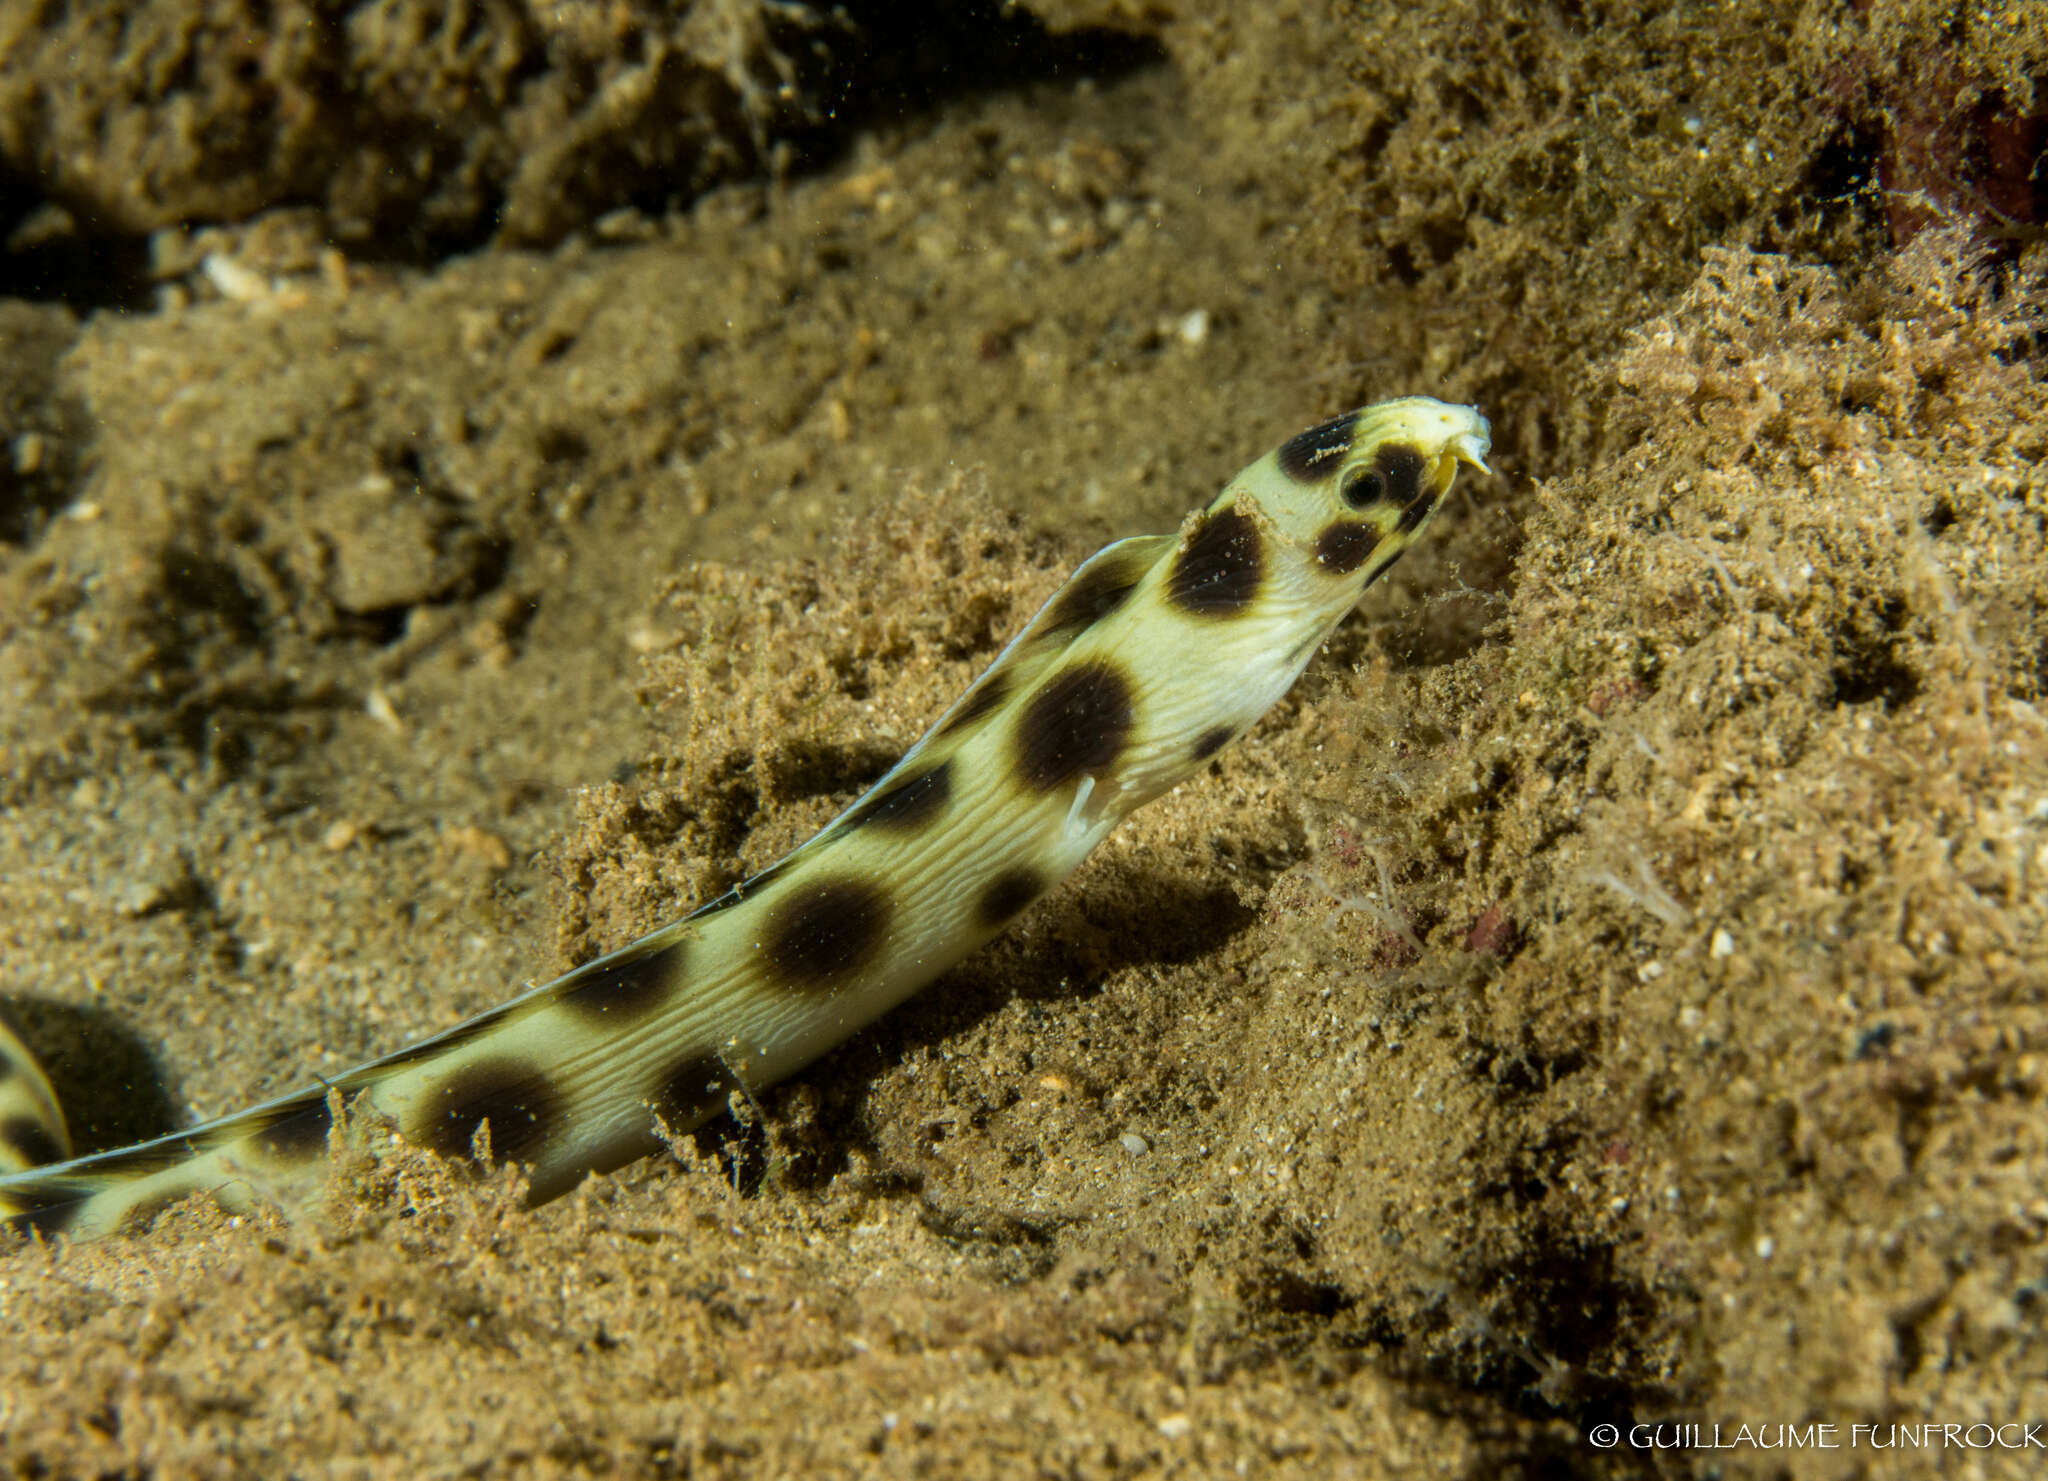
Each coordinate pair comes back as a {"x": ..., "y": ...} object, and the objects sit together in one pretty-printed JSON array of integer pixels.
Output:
[{"x": 1611, "y": 989}]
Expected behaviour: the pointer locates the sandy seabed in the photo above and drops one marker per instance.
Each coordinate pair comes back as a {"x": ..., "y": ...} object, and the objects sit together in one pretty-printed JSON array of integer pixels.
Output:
[{"x": 1609, "y": 991}]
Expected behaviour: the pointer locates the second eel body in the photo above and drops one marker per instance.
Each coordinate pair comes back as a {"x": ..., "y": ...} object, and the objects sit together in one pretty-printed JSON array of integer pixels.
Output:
[{"x": 1155, "y": 654}]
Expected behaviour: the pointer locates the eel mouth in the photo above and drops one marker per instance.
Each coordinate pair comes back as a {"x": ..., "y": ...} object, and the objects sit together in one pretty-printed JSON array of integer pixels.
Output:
[{"x": 1469, "y": 447}]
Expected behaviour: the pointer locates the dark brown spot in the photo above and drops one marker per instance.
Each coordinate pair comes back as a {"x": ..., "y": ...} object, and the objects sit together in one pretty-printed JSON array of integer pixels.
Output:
[
  {"x": 1311, "y": 455},
  {"x": 1094, "y": 593},
  {"x": 147, "y": 1157},
  {"x": 1007, "y": 894},
  {"x": 30, "y": 1140},
  {"x": 693, "y": 1092},
  {"x": 909, "y": 803},
  {"x": 1216, "y": 573},
  {"x": 823, "y": 932},
  {"x": 45, "y": 1211},
  {"x": 1212, "y": 741},
  {"x": 512, "y": 1095},
  {"x": 299, "y": 1134},
  {"x": 1400, "y": 468},
  {"x": 984, "y": 697},
  {"x": 1417, "y": 511},
  {"x": 625, "y": 986},
  {"x": 1079, "y": 722},
  {"x": 1342, "y": 547}
]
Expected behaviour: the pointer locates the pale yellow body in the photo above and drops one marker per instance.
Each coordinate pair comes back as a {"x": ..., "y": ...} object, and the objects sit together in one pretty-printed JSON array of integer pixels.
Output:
[{"x": 1156, "y": 653}]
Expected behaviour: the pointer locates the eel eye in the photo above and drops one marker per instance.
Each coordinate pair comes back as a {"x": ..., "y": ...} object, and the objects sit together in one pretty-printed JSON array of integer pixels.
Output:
[{"x": 1363, "y": 489}]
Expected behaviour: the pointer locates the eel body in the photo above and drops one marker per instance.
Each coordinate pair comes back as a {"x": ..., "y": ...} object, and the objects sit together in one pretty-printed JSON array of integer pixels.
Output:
[{"x": 1156, "y": 653}]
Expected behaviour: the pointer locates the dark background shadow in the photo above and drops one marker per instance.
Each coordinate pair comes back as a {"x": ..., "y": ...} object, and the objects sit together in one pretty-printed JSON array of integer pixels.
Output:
[
  {"x": 875, "y": 64},
  {"x": 111, "y": 1087}
]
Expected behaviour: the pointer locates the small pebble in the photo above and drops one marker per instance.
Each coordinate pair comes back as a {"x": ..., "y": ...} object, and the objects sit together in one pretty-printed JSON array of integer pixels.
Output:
[
  {"x": 28, "y": 453},
  {"x": 377, "y": 705}
]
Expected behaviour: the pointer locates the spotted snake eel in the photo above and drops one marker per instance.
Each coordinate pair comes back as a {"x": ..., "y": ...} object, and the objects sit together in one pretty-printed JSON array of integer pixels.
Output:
[{"x": 1156, "y": 653}]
